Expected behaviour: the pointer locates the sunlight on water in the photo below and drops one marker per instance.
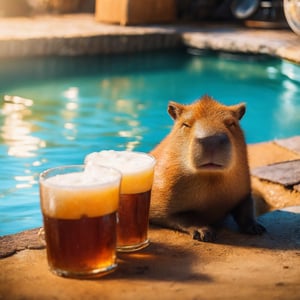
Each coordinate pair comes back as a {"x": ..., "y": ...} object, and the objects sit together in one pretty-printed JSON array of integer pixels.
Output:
[
  {"x": 15, "y": 131},
  {"x": 56, "y": 110}
]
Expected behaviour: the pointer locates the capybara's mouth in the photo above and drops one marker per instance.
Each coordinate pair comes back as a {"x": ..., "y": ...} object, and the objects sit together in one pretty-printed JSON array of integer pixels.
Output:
[{"x": 212, "y": 166}]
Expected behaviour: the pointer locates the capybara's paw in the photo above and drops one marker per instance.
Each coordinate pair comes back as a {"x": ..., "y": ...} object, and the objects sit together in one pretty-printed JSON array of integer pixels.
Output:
[
  {"x": 255, "y": 228},
  {"x": 204, "y": 234}
]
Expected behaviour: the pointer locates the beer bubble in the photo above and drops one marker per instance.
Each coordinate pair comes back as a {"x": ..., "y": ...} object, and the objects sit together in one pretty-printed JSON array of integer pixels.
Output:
[
  {"x": 136, "y": 167},
  {"x": 127, "y": 162},
  {"x": 69, "y": 192},
  {"x": 92, "y": 175}
]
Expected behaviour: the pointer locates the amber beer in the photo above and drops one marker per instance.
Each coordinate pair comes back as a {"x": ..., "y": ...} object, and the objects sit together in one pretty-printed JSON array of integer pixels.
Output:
[
  {"x": 137, "y": 170},
  {"x": 80, "y": 219}
]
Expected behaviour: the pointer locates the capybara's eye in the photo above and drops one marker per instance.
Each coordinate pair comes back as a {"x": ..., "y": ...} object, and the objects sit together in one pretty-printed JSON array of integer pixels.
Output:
[{"x": 186, "y": 125}]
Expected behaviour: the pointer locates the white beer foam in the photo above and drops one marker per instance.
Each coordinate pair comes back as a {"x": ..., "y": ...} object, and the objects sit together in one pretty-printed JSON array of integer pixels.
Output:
[
  {"x": 92, "y": 175},
  {"x": 125, "y": 161}
]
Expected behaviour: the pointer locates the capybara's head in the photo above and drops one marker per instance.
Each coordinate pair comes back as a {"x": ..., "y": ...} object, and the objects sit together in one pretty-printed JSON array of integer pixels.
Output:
[{"x": 208, "y": 133}]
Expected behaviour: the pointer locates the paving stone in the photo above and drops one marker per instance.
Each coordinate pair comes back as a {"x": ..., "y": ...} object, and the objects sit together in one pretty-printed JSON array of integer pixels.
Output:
[
  {"x": 286, "y": 173},
  {"x": 292, "y": 143},
  {"x": 29, "y": 239}
]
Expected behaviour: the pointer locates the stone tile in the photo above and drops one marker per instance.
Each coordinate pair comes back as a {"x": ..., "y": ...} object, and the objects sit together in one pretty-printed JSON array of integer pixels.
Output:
[
  {"x": 292, "y": 143},
  {"x": 286, "y": 173},
  {"x": 29, "y": 239}
]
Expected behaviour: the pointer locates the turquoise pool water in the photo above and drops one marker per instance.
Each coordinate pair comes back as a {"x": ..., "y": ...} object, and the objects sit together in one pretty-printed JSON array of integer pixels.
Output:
[{"x": 77, "y": 105}]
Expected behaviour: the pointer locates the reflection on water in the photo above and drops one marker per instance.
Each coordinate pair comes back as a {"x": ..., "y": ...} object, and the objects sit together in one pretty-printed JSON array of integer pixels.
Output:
[
  {"x": 288, "y": 112},
  {"x": 114, "y": 89},
  {"x": 55, "y": 110},
  {"x": 16, "y": 130},
  {"x": 70, "y": 112}
]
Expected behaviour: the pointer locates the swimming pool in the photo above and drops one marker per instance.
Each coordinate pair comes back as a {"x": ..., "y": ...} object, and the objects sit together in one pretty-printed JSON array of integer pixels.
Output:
[{"x": 71, "y": 106}]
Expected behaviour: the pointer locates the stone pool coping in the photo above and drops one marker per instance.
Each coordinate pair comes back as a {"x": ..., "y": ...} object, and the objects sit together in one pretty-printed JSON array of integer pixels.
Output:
[{"x": 80, "y": 34}]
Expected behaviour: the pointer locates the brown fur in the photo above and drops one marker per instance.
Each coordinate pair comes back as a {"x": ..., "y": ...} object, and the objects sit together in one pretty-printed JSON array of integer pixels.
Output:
[{"x": 202, "y": 171}]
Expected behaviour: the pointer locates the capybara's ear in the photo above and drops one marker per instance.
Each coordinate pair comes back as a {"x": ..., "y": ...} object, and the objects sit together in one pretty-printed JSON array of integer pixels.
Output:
[
  {"x": 239, "y": 110},
  {"x": 175, "y": 109}
]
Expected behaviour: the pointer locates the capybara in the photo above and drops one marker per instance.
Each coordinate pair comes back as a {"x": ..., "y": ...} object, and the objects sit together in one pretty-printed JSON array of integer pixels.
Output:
[{"x": 202, "y": 171}]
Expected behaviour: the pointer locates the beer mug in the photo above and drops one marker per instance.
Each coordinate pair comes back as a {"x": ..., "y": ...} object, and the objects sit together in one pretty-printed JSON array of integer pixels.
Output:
[
  {"x": 79, "y": 206},
  {"x": 137, "y": 170}
]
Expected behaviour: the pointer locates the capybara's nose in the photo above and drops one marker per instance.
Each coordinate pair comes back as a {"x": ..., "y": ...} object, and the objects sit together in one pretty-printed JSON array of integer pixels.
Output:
[{"x": 213, "y": 142}]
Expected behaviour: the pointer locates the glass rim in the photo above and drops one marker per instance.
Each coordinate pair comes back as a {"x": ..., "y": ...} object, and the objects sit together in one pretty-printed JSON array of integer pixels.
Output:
[{"x": 81, "y": 167}]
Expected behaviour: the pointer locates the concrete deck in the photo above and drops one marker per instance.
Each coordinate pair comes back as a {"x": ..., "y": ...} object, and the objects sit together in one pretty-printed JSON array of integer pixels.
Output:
[
  {"x": 174, "y": 266},
  {"x": 81, "y": 34}
]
